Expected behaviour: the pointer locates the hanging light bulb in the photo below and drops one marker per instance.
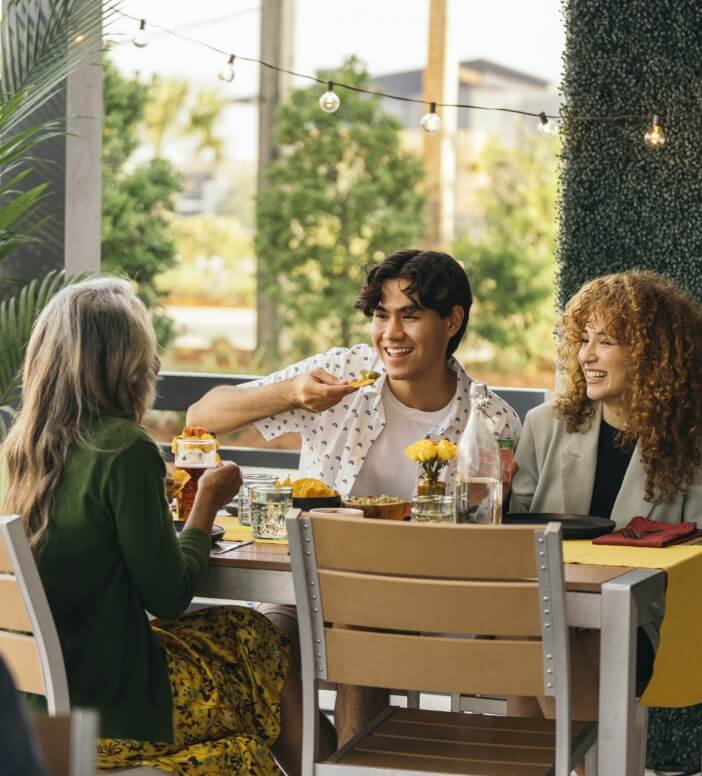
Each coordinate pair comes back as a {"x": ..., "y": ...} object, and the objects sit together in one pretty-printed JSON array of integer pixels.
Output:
[
  {"x": 227, "y": 72},
  {"x": 546, "y": 126},
  {"x": 655, "y": 137},
  {"x": 141, "y": 39},
  {"x": 79, "y": 38},
  {"x": 329, "y": 102},
  {"x": 431, "y": 123}
]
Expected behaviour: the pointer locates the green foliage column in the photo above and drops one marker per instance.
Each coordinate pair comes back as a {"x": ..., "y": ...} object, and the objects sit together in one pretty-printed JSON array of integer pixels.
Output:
[{"x": 623, "y": 204}]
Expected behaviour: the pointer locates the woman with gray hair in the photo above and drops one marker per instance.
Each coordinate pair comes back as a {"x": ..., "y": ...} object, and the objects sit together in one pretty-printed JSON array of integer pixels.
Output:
[{"x": 193, "y": 694}]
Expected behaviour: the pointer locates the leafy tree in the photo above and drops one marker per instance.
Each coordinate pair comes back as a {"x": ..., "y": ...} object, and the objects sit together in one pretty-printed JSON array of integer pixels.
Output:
[
  {"x": 136, "y": 200},
  {"x": 509, "y": 257},
  {"x": 174, "y": 114},
  {"x": 215, "y": 262},
  {"x": 341, "y": 193}
]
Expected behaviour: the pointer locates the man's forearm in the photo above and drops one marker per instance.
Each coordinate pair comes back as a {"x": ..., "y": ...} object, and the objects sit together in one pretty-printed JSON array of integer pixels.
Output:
[{"x": 227, "y": 408}]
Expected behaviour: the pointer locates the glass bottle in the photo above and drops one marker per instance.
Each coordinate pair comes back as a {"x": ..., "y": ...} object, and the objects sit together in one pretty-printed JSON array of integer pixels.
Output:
[{"x": 478, "y": 483}]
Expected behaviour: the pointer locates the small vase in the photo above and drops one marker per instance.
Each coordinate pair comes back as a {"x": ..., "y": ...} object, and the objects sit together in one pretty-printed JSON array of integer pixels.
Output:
[{"x": 431, "y": 487}]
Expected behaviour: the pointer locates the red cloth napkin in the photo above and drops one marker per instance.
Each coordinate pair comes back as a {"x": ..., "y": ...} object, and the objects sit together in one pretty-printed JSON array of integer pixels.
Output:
[{"x": 641, "y": 532}]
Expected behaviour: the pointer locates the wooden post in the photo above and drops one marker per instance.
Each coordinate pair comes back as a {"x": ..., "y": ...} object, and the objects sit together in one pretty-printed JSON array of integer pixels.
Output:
[
  {"x": 440, "y": 84},
  {"x": 277, "y": 18}
]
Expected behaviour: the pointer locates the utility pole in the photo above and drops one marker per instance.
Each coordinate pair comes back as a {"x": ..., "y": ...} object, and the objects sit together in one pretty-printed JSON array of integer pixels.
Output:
[
  {"x": 277, "y": 20},
  {"x": 440, "y": 84}
]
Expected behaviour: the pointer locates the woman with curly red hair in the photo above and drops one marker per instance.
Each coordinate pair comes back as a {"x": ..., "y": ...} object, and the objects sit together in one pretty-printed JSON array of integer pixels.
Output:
[{"x": 625, "y": 436}]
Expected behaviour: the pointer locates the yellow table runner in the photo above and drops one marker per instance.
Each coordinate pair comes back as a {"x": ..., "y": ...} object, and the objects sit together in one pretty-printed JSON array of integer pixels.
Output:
[
  {"x": 234, "y": 531},
  {"x": 677, "y": 673}
]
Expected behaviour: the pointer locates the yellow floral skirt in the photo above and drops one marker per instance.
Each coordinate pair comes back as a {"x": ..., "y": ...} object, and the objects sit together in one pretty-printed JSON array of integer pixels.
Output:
[{"x": 227, "y": 667}]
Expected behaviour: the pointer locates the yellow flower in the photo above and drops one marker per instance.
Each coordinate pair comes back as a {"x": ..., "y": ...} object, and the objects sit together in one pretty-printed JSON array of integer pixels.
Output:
[
  {"x": 446, "y": 450},
  {"x": 411, "y": 452},
  {"x": 426, "y": 450}
]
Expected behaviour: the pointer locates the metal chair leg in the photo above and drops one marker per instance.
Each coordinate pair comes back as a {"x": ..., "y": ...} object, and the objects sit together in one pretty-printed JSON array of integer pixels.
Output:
[{"x": 591, "y": 761}]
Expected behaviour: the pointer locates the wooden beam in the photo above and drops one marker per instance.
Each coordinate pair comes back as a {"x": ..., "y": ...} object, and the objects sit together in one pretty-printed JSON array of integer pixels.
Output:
[
  {"x": 440, "y": 84},
  {"x": 277, "y": 23}
]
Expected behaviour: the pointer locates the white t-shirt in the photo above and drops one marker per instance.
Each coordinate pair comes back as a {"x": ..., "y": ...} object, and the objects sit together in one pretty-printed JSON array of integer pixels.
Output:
[{"x": 387, "y": 471}]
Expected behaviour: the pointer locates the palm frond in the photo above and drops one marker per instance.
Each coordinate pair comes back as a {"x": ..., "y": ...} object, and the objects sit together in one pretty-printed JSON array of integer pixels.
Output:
[
  {"x": 43, "y": 42},
  {"x": 17, "y": 317}
]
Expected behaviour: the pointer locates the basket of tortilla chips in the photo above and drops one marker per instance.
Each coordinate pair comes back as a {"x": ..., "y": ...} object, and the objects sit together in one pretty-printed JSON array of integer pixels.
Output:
[{"x": 311, "y": 493}]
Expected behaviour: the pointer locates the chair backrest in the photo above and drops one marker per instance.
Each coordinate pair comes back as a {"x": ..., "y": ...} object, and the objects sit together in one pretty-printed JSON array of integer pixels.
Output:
[
  {"x": 418, "y": 606},
  {"x": 28, "y": 639},
  {"x": 68, "y": 742},
  {"x": 522, "y": 399}
]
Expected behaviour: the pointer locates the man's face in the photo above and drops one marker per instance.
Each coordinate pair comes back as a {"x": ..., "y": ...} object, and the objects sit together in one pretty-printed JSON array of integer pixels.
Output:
[{"x": 410, "y": 339}]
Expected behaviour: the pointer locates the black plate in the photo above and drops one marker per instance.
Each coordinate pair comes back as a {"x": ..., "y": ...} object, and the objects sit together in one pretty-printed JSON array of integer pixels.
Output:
[
  {"x": 217, "y": 532},
  {"x": 317, "y": 502},
  {"x": 574, "y": 526}
]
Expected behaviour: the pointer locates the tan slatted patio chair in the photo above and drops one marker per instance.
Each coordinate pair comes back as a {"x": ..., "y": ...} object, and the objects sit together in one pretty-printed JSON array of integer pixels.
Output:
[
  {"x": 387, "y": 604},
  {"x": 28, "y": 639}
]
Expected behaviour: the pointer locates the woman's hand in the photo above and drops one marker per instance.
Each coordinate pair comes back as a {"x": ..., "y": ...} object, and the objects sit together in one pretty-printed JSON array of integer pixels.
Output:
[
  {"x": 215, "y": 488},
  {"x": 221, "y": 484}
]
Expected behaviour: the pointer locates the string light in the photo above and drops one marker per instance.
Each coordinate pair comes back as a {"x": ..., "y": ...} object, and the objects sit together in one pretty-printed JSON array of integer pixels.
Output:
[
  {"x": 546, "y": 126},
  {"x": 431, "y": 123},
  {"x": 227, "y": 72},
  {"x": 79, "y": 38},
  {"x": 329, "y": 102},
  {"x": 141, "y": 38},
  {"x": 655, "y": 137}
]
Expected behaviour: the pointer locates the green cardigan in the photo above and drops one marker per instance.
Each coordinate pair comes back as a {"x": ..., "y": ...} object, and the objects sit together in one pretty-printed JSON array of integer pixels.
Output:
[{"x": 110, "y": 555}]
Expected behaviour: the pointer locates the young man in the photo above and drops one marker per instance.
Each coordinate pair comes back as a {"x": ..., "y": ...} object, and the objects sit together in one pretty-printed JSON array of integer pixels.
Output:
[{"x": 354, "y": 438}]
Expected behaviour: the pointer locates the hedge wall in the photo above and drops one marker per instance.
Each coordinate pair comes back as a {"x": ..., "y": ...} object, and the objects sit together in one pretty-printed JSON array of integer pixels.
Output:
[{"x": 624, "y": 205}]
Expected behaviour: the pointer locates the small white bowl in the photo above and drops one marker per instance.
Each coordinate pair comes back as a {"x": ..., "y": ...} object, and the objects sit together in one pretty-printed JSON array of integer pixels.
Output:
[{"x": 337, "y": 511}]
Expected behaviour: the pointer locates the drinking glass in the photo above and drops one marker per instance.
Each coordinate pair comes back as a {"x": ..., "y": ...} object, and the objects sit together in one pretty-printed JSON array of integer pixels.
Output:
[
  {"x": 478, "y": 500},
  {"x": 250, "y": 481},
  {"x": 269, "y": 506},
  {"x": 193, "y": 456},
  {"x": 432, "y": 509}
]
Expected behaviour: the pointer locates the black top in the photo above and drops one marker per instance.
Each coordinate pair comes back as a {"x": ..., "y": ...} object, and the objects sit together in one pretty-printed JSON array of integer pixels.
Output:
[{"x": 612, "y": 462}]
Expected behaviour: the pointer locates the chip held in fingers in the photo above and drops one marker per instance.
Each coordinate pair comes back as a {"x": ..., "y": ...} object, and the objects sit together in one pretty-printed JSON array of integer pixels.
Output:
[{"x": 367, "y": 377}]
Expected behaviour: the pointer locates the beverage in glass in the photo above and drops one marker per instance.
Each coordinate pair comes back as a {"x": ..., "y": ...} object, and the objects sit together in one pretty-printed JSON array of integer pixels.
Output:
[
  {"x": 432, "y": 509},
  {"x": 250, "y": 481},
  {"x": 193, "y": 456},
  {"x": 478, "y": 484},
  {"x": 269, "y": 505}
]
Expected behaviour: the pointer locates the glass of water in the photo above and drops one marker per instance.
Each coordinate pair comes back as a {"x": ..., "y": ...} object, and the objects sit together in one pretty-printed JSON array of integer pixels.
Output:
[
  {"x": 269, "y": 506},
  {"x": 251, "y": 481},
  {"x": 432, "y": 509}
]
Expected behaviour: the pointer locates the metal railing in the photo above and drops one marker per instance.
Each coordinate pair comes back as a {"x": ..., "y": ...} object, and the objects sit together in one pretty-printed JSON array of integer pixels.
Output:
[{"x": 178, "y": 390}]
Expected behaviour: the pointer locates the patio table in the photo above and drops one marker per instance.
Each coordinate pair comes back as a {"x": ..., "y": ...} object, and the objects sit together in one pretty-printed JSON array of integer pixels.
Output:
[{"x": 613, "y": 600}]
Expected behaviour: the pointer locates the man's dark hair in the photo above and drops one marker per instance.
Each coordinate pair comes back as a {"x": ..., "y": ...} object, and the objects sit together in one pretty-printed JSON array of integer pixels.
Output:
[{"x": 436, "y": 281}]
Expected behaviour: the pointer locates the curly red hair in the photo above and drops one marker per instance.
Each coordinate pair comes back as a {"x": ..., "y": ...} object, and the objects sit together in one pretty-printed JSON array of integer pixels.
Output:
[{"x": 659, "y": 326}]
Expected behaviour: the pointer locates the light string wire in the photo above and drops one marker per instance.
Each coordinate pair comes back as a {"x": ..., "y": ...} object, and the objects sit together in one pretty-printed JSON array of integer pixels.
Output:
[{"x": 377, "y": 93}]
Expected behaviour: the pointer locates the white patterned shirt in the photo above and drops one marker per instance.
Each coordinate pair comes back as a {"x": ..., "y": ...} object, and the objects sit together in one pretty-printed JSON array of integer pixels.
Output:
[{"x": 335, "y": 442}]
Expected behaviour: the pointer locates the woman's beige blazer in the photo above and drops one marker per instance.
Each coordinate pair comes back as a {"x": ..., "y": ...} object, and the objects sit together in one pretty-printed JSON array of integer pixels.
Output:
[{"x": 557, "y": 473}]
